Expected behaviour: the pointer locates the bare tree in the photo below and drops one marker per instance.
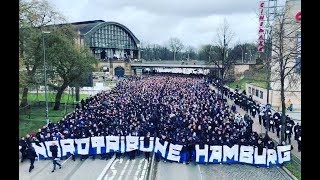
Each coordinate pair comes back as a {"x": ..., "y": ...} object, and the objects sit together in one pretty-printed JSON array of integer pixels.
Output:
[
  {"x": 286, "y": 49},
  {"x": 220, "y": 52},
  {"x": 176, "y": 46}
]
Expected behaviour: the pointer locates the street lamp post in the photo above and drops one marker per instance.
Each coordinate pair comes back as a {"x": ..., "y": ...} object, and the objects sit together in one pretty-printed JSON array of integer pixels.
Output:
[{"x": 45, "y": 75}]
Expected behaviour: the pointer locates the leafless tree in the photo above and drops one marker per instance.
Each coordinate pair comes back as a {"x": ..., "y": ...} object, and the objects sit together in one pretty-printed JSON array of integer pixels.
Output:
[
  {"x": 286, "y": 49},
  {"x": 176, "y": 46},
  {"x": 219, "y": 53}
]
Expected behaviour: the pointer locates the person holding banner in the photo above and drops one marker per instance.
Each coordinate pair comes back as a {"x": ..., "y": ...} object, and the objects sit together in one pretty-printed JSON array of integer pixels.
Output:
[
  {"x": 31, "y": 155},
  {"x": 146, "y": 144},
  {"x": 55, "y": 159},
  {"x": 24, "y": 145}
]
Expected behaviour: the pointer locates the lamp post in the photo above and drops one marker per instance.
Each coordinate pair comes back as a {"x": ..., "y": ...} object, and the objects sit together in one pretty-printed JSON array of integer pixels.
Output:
[
  {"x": 45, "y": 75},
  {"x": 245, "y": 59}
]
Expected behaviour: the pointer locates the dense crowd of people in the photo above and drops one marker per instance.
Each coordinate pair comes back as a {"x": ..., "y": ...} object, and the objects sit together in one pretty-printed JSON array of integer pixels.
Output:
[
  {"x": 271, "y": 121},
  {"x": 179, "y": 109}
]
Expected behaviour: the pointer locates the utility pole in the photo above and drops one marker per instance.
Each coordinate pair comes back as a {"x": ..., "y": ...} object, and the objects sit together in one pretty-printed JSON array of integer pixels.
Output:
[{"x": 45, "y": 76}]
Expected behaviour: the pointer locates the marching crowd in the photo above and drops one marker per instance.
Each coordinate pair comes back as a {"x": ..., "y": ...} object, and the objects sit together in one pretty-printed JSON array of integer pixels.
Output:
[
  {"x": 180, "y": 109},
  {"x": 270, "y": 121}
]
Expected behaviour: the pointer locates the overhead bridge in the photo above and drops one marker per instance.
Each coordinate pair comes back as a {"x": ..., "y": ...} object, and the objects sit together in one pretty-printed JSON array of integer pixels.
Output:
[{"x": 173, "y": 65}]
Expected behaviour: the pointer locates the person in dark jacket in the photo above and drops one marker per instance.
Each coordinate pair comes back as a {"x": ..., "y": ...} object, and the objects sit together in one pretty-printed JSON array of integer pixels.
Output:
[
  {"x": 146, "y": 144},
  {"x": 299, "y": 141},
  {"x": 23, "y": 149},
  {"x": 31, "y": 155},
  {"x": 270, "y": 144},
  {"x": 54, "y": 151},
  {"x": 260, "y": 146},
  {"x": 296, "y": 129}
]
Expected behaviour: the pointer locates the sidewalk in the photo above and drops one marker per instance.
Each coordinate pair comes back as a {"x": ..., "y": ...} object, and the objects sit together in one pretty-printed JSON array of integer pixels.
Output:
[{"x": 260, "y": 129}]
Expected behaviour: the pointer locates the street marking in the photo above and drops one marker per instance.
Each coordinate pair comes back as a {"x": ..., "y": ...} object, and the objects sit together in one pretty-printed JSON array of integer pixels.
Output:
[
  {"x": 130, "y": 169},
  {"x": 124, "y": 169},
  {"x": 65, "y": 160},
  {"x": 114, "y": 172},
  {"x": 139, "y": 167},
  {"x": 200, "y": 172},
  {"x": 113, "y": 169},
  {"x": 144, "y": 171},
  {"x": 106, "y": 168}
]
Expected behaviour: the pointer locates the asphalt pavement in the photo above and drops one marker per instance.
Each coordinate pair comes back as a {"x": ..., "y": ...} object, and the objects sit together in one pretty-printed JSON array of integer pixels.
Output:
[
  {"x": 89, "y": 169},
  {"x": 174, "y": 171}
]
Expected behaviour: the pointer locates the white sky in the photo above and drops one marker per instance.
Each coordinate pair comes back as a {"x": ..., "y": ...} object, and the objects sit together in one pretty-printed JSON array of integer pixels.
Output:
[{"x": 195, "y": 22}]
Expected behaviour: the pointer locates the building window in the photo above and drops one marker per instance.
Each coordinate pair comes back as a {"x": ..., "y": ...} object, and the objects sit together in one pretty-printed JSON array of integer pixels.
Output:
[
  {"x": 257, "y": 93},
  {"x": 253, "y": 91},
  {"x": 261, "y": 94},
  {"x": 250, "y": 90}
]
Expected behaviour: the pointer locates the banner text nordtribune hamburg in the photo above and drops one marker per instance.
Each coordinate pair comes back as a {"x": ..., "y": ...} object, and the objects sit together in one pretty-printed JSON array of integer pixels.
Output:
[{"x": 201, "y": 153}]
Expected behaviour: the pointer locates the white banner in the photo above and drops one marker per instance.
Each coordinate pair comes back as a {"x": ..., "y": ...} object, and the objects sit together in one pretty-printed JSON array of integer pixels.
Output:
[
  {"x": 230, "y": 152},
  {"x": 98, "y": 142},
  {"x": 246, "y": 154},
  {"x": 132, "y": 143},
  {"x": 83, "y": 142},
  {"x": 174, "y": 152},
  {"x": 216, "y": 153},
  {"x": 161, "y": 148},
  {"x": 67, "y": 145},
  {"x": 209, "y": 154}
]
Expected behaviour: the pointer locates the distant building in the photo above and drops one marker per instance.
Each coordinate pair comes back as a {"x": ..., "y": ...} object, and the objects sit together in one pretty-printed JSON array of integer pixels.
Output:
[
  {"x": 292, "y": 37},
  {"x": 110, "y": 42}
]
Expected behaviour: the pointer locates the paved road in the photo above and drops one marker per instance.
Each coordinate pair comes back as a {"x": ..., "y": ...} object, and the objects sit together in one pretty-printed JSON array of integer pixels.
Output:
[
  {"x": 168, "y": 171},
  {"x": 112, "y": 169}
]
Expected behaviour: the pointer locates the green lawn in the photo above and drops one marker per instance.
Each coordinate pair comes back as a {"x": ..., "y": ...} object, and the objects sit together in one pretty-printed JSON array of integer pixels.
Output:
[
  {"x": 256, "y": 77},
  {"x": 241, "y": 83},
  {"x": 34, "y": 118},
  {"x": 294, "y": 167},
  {"x": 66, "y": 98}
]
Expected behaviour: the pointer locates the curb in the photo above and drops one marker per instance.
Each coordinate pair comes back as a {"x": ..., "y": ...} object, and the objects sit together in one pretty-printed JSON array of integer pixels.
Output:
[{"x": 289, "y": 173}]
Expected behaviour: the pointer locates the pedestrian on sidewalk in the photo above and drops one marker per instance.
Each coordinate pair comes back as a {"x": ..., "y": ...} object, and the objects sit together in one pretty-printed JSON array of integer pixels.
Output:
[
  {"x": 278, "y": 129},
  {"x": 253, "y": 111},
  {"x": 296, "y": 129},
  {"x": 55, "y": 159},
  {"x": 31, "y": 155},
  {"x": 271, "y": 124},
  {"x": 288, "y": 133},
  {"x": 261, "y": 113},
  {"x": 299, "y": 141},
  {"x": 289, "y": 105}
]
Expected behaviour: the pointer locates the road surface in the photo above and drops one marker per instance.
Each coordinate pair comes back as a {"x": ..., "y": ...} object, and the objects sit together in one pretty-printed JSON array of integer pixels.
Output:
[
  {"x": 89, "y": 169},
  {"x": 168, "y": 171}
]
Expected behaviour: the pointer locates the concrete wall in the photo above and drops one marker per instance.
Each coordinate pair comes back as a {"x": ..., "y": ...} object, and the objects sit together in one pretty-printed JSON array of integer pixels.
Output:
[
  {"x": 240, "y": 69},
  {"x": 274, "y": 99},
  {"x": 254, "y": 91}
]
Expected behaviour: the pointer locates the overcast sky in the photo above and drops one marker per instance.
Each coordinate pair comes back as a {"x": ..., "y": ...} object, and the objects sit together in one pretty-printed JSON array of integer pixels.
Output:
[{"x": 195, "y": 22}]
